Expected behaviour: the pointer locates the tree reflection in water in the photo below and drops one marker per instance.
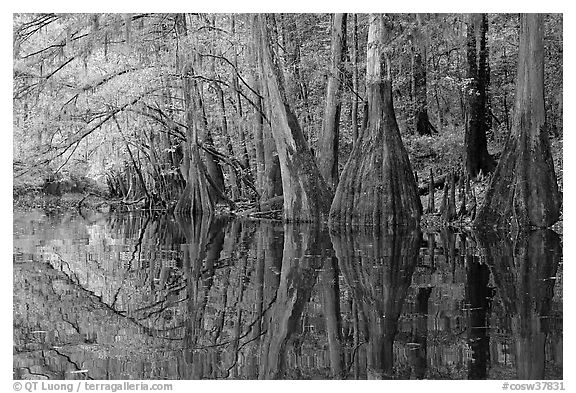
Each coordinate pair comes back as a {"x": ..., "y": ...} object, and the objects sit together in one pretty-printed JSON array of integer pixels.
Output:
[
  {"x": 378, "y": 267},
  {"x": 524, "y": 270},
  {"x": 130, "y": 296}
]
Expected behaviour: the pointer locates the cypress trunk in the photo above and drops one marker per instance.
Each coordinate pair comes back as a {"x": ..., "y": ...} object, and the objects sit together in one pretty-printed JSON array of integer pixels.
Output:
[
  {"x": 355, "y": 100},
  {"x": 478, "y": 123},
  {"x": 213, "y": 169},
  {"x": 272, "y": 179},
  {"x": 229, "y": 135},
  {"x": 257, "y": 118},
  {"x": 377, "y": 186},
  {"x": 195, "y": 199},
  {"x": 327, "y": 152},
  {"x": 306, "y": 195},
  {"x": 523, "y": 191}
]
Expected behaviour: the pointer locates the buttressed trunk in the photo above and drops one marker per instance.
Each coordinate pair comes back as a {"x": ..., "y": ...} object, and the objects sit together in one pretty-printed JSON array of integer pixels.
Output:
[
  {"x": 306, "y": 195},
  {"x": 377, "y": 186},
  {"x": 195, "y": 199},
  {"x": 523, "y": 191}
]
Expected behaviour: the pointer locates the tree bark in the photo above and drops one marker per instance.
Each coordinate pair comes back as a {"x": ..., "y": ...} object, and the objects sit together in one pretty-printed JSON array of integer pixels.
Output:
[
  {"x": 377, "y": 186},
  {"x": 213, "y": 169},
  {"x": 355, "y": 101},
  {"x": 306, "y": 195},
  {"x": 268, "y": 177},
  {"x": 523, "y": 191},
  {"x": 244, "y": 157},
  {"x": 257, "y": 118},
  {"x": 327, "y": 151},
  {"x": 477, "y": 156},
  {"x": 272, "y": 180},
  {"x": 227, "y": 132},
  {"x": 195, "y": 199}
]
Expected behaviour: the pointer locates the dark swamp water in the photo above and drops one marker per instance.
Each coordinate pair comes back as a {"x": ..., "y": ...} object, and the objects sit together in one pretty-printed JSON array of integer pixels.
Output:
[{"x": 132, "y": 297}]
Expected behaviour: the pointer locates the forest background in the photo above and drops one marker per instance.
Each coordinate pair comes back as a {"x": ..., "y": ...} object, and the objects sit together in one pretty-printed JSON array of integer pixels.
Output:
[{"x": 137, "y": 148}]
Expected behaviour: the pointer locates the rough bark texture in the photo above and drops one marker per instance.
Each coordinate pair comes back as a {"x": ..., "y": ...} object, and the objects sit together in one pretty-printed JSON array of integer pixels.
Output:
[
  {"x": 327, "y": 151},
  {"x": 355, "y": 100},
  {"x": 244, "y": 157},
  {"x": 477, "y": 156},
  {"x": 195, "y": 199},
  {"x": 268, "y": 178},
  {"x": 377, "y": 186},
  {"x": 306, "y": 195},
  {"x": 214, "y": 173},
  {"x": 421, "y": 120},
  {"x": 257, "y": 119},
  {"x": 272, "y": 180},
  {"x": 229, "y": 134},
  {"x": 523, "y": 191}
]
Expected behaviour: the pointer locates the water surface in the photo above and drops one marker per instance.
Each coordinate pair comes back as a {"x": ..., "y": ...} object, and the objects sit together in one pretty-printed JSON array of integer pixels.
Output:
[{"x": 128, "y": 296}]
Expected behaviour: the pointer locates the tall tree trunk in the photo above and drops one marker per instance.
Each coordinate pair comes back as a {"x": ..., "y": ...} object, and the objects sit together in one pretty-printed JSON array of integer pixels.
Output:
[
  {"x": 477, "y": 156},
  {"x": 327, "y": 152},
  {"x": 228, "y": 134},
  {"x": 355, "y": 79},
  {"x": 296, "y": 86},
  {"x": 377, "y": 186},
  {"x": 269, "y": 180},
  {"x": 306, "y": 195},
  {"x": 272, "y": 179},
  {"x": 244, "y": 156},
  {"x": 195, "y": 199},
  {"x": 214, "y": 170},
  {"x": 257, "y": 118},
  {"x": 523, "y": 191},
  {"x": 420, "y": 119}
]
